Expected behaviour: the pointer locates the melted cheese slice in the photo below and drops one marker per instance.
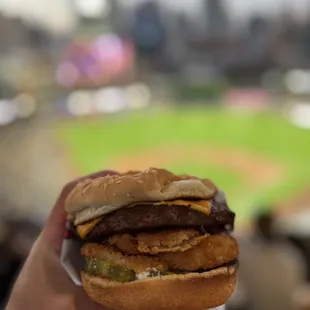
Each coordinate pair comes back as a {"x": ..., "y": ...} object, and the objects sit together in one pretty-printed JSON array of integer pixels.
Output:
[
  {"x": 84, "y": 229},
  {"x": 203, "y": 206}
]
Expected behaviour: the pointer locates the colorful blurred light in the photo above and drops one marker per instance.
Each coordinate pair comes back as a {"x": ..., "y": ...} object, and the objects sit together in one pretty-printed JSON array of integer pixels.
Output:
[
  {"x": 248, "y": 98},
  {"x": 80, "y": 103},
  {"x": 138, "y": 96},
  {"x": 110, "y": 100},
  {"x": 7, "y": 112},
  {"x": 298, "y": 81},
  {"x": 92, "y": 8},
  {"x": 299, "y": 115},
  {"x": 67, "y": 74},
  {"x": 96, "y": 63}
]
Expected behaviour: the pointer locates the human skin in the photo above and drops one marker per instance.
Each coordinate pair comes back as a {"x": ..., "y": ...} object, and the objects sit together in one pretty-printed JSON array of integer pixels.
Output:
[{"x": 42, "y": 282}]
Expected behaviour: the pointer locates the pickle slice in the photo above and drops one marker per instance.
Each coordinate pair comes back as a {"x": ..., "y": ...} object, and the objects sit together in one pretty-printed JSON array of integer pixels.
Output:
[{"x": 109, "y": 270}]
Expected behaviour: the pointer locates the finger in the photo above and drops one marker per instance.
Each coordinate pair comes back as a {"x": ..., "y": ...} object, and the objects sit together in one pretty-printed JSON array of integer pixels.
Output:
[{"x": 54, "y": 228}]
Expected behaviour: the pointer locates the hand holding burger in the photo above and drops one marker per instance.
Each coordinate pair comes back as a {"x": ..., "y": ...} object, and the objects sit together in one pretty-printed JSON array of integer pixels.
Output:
[
  {"x": 154, "y": 240},
  {"x": 42, "y": 282}
]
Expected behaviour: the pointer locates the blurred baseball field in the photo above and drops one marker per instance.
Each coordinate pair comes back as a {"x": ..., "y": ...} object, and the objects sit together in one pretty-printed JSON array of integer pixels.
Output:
[{"x": 258, "y": 159}]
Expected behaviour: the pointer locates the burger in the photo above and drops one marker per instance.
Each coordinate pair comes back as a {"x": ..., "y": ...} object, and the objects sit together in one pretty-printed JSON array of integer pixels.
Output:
[{"x": 154, "y": 240}]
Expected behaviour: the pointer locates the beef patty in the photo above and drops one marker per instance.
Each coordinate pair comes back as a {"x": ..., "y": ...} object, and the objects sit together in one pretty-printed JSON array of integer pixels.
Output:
[{"x": 146, "y": 216}]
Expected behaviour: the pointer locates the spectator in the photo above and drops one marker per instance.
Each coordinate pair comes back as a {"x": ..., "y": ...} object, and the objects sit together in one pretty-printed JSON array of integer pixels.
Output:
[{"x": 271, "y": 270}]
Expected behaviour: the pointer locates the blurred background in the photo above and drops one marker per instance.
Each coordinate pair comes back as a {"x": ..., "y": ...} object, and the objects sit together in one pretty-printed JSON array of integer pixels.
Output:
[{"x": 218, "y": 89}]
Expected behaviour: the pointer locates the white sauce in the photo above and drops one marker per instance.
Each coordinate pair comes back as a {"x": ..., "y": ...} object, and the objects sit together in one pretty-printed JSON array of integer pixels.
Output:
[{"x": 145, "y": 274}]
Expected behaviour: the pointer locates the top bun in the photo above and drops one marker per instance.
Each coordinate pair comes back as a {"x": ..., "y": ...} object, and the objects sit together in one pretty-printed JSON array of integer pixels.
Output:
[{"x": 92, "y": 198}]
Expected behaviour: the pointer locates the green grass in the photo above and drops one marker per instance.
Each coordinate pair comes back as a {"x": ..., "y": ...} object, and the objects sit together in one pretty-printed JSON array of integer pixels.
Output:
[{"x": 94, "y": 144}]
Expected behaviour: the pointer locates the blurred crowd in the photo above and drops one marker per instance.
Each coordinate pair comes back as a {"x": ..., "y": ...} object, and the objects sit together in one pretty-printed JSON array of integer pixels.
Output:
[{"x": 274, "y": 267}]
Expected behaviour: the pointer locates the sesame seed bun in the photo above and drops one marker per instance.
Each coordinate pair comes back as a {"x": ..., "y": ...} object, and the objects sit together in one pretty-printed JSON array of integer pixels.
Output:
[
  {"x": 94, "y": 198},
  {"x": 194, "y": 291}
]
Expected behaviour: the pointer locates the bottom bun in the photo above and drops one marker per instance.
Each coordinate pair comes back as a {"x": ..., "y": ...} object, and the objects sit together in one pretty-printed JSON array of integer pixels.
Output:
[{"x": 193, "y": 291}]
